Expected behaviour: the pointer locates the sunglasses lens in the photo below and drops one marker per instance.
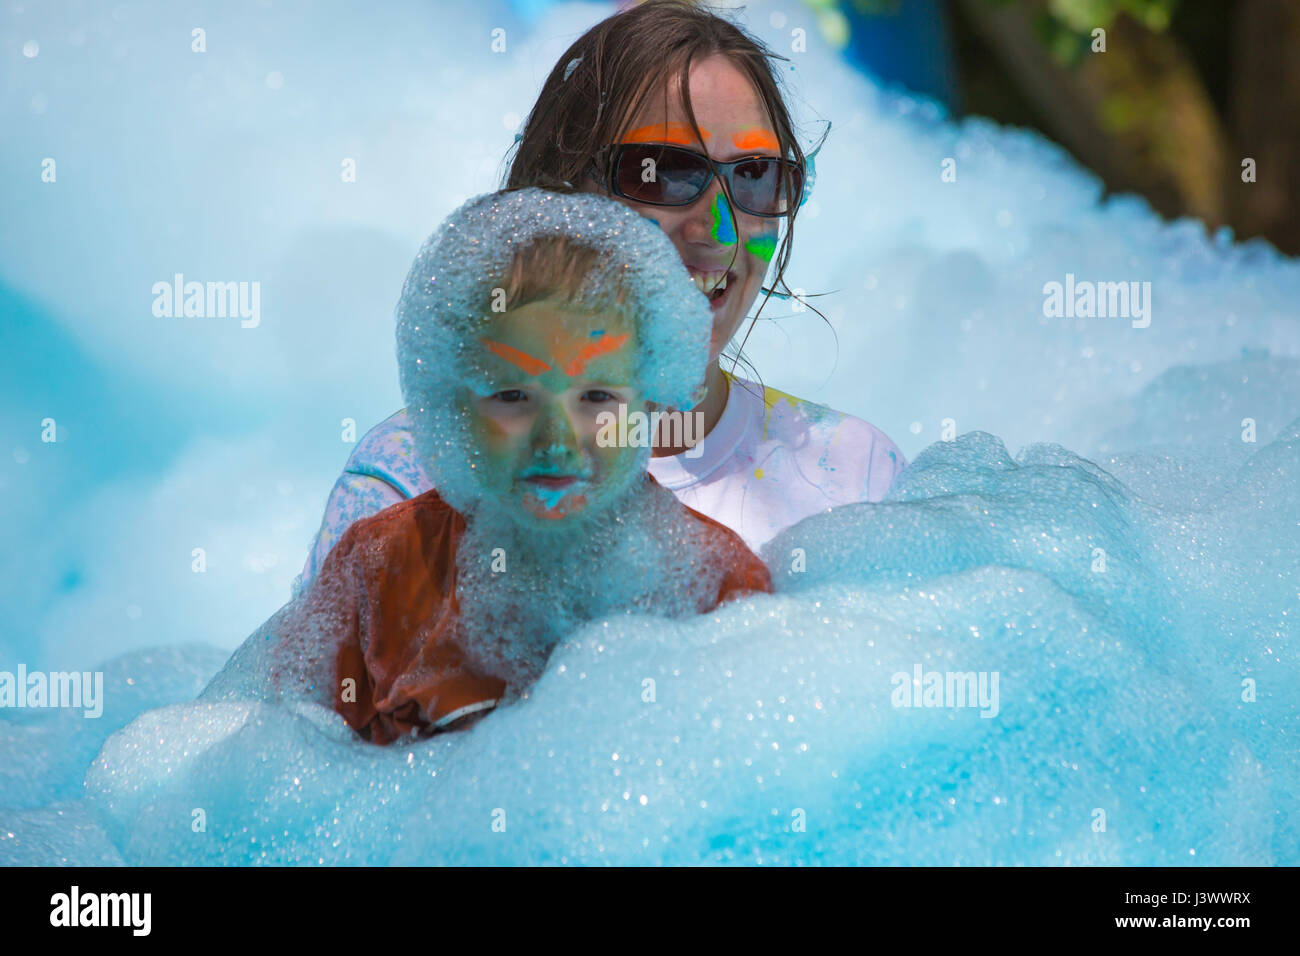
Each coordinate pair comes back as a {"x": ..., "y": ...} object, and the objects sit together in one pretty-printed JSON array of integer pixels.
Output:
[
  {"x": 668, "y": 176},
  {"x": 658, "y": 175},
  {"x": 758, "y": 186}
]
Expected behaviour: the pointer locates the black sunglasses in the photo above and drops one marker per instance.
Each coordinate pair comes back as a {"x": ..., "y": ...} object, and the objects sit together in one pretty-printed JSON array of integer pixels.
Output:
[{"x": 662, "y": 175}]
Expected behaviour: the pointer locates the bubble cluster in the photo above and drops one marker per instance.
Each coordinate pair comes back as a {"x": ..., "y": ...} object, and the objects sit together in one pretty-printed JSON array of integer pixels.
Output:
[
  {"x": 447, "y": 294},
  {"x": 1146, "y": 708},
  {"x": 644, "y": 556}
]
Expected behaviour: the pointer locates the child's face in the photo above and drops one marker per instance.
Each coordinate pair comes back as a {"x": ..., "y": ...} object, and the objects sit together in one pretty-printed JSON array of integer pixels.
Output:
[{"x": 546, "y": 373}]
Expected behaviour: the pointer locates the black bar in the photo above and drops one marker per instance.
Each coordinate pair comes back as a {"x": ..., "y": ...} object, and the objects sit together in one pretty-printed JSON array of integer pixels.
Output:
[{"x": 929, "y": 905}]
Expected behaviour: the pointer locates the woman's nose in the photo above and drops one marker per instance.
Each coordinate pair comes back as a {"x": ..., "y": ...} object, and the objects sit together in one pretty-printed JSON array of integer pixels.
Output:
[{"x": 710, "y": 220}]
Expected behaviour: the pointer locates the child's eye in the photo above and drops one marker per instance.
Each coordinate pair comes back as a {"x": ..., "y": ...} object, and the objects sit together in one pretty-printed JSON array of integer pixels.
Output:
[
  {"x": 598, "y": 395},
  {"x": 510, "y": 396}
]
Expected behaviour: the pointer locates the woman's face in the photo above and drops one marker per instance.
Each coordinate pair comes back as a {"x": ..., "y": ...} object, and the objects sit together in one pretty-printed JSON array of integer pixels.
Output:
[{"x": 733, "y": 124}]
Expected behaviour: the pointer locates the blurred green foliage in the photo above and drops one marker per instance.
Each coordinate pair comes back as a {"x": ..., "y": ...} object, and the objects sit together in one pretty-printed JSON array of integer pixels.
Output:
[
  {"x": 876, "y": 7},
  {"x": 1065, "y": 26},
  {"x": 1083, "y": 16}
]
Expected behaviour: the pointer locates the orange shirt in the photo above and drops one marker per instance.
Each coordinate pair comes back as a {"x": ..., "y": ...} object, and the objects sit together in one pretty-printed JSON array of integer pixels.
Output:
[{"x": 386, "y": 595}]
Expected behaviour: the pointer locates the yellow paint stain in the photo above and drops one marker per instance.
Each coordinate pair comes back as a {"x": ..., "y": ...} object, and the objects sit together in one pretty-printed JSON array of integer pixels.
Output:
[
  {"x": 770, "y": 397},
  {"x": 758, "y": 472}
]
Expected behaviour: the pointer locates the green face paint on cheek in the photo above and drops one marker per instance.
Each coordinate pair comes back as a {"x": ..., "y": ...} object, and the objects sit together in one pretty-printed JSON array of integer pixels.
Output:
[
  {"x": 762, "y": 247},
  {"x": 723, "y": 229}
]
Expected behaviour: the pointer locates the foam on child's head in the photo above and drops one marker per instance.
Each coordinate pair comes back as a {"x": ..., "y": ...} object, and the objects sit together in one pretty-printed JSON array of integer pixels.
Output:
[
  {"x": 472, "y": 265},
  {"x": 560, "y": 270}
]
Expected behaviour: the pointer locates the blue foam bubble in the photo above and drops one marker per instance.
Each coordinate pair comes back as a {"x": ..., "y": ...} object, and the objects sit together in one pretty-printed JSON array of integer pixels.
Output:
[{"x": 1145, "y": 673}]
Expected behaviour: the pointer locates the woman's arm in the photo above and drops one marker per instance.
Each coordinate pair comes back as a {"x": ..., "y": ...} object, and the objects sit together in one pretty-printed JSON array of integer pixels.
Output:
[
  {"x": 885, "y": 464},
  {"x": 382, "y": 470},
  {"x": 355, "y": 496}
]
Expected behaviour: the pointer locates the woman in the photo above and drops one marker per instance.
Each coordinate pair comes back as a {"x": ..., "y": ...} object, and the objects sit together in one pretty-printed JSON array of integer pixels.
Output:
[{"x": 675, "y": 112}]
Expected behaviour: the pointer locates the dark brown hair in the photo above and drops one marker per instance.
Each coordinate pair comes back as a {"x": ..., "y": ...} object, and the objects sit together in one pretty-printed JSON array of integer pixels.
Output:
[{"x": 600, "y": 82}]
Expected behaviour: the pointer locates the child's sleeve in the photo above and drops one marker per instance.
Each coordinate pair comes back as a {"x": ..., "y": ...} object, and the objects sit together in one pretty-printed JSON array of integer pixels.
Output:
[
  {"x": 743, "y": 571},
  {"x": 303, "y": 650},
  {"x": 746, "y": 575}
]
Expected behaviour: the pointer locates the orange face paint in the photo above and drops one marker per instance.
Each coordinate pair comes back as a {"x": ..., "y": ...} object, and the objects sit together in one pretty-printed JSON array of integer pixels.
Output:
[
  {"x": 610, "y": 343},
  {"x": 679, "y": 134},
  {"x": 756, "y": 139},
  {"x": 576, "y": 366},
  {"x": 521, "y": 360}
]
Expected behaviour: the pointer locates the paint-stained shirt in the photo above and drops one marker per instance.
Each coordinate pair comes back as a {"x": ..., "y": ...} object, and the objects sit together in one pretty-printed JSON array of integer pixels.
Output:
[{"x": 770, "y": 461}]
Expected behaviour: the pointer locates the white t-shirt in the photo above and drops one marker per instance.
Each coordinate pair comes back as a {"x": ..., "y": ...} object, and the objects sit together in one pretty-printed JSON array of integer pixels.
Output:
[
  {"x": 773, "y": 459},
  {"x": 770, "y": 461}
]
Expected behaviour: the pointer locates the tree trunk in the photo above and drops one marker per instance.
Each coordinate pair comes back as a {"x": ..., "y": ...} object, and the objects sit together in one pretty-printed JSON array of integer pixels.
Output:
[{"x": 1265, "y": 112}]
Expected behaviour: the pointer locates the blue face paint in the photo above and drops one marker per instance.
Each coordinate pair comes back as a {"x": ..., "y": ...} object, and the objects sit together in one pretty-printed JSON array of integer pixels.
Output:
[
  {"x": 550, "y": 497},
  {"x": 723, "y": 228}
]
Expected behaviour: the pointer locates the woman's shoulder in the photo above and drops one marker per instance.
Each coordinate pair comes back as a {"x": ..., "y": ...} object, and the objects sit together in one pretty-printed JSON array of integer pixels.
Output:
[
  {"x": 824, "y": 441},
  {"x": 387, "y": 452}
]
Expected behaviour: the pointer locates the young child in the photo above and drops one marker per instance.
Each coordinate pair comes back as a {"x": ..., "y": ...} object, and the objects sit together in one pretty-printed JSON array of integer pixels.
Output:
[{"x": 526, "y": 316}]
